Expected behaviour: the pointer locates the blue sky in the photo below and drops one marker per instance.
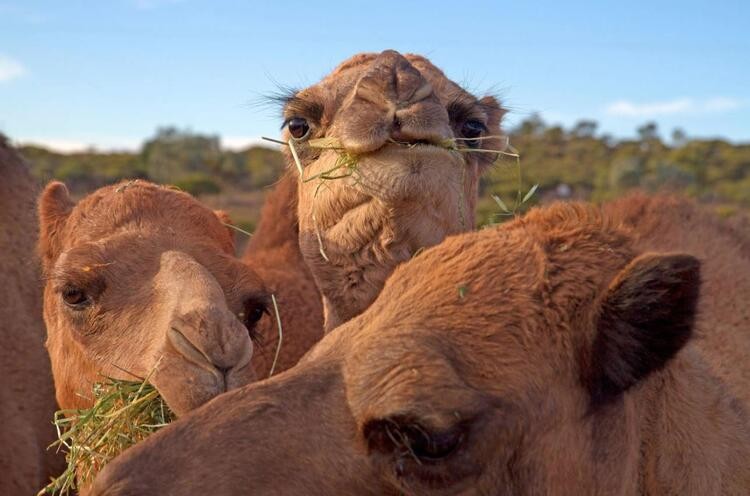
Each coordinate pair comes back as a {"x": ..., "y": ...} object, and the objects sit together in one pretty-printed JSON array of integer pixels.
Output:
[{"x": 108, "y": 72}]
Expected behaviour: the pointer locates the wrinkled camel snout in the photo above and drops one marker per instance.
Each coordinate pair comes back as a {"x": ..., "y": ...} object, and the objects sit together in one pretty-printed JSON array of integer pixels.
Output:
[
  {"x": 207, "y": 350},
  {"x": 398, "y": 103}
]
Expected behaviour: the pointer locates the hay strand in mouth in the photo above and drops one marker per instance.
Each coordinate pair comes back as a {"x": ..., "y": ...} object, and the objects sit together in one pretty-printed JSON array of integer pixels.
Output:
[
  {"x": 238, "y": 229},
  {"x": 296, "y": 157},
  {"x": 321, "y": 249},
  {"x": 521, "y": 198},
  {"x": 124, "y": 413},
  {"x": 281, "y": 335}
]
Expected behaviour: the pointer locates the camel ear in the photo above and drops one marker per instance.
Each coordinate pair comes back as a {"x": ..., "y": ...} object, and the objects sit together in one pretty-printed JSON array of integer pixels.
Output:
[
  {"x": 55, "y": 206},
  {"x": 645, "y": 318},
  {"x": 495, "y": 112},
  {"x": 225, "y": 219}
]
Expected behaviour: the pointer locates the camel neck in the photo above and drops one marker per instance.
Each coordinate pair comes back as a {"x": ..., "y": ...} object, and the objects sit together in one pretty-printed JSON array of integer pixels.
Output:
[
  {"x": 279, "y": 225},
  {"x": 18, "y": 189}
]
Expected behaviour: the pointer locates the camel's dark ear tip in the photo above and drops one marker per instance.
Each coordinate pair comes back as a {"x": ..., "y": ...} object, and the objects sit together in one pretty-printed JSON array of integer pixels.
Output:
[{"x": 646, "y": 317}]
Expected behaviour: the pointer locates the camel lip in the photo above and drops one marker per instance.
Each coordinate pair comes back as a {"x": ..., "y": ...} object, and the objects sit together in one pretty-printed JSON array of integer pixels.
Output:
[
  {"x": 418, "y": 147},
  {"x": 420, "y": 143}
]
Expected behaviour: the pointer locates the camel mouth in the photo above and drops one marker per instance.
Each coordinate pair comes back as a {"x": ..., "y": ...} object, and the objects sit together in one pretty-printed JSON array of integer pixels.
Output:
[
  {"x": 419, "y": 143},
  {"x": 188, "y": 378}
]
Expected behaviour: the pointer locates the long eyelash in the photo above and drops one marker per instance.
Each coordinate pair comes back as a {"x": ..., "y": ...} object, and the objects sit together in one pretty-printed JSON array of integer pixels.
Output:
[
  {"x": 287, "y": 99},
  {"x": 281, "y": 97},
  {"x": 301, "y": 107},
  {"x": 460, "y": 110}
]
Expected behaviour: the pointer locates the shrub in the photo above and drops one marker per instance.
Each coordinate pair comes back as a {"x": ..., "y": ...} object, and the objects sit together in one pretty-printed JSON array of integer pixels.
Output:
[{"x": 198, "y": 184}]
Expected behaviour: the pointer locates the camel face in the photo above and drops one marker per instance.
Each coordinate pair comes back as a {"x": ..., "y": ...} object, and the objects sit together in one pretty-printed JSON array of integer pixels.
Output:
[
  {"x": 396, "y": 189},
  {"x": 141, "y": 280},
  {"x": 525, "y": 364}
]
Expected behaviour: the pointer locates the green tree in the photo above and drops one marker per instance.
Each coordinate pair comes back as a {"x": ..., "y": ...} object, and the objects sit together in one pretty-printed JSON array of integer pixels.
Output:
[{"x": 172, "y": 155}]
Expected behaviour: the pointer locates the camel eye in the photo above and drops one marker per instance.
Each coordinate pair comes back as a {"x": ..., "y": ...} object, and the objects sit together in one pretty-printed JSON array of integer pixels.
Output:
[
  {"x": 252, "y": 313},
  {"x": 75, "y": 298},
  {"x": 411, "y": 439},
  {"x": 431, "y": 446},
  {"x": 298, "y": 128},
  {"x": 472, "y": 130}
]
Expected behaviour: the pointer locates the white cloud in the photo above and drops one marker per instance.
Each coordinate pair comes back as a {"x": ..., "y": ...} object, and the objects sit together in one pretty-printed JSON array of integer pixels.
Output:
[
  {"x": 72, "y": 145},
  {"x": 236, "y": 143},
  {"x": 66, "y": 145},
  {"x": 722, "y": 104},
  {"x": 625, "y": 108},
  {"x": 10, "y": 69}
]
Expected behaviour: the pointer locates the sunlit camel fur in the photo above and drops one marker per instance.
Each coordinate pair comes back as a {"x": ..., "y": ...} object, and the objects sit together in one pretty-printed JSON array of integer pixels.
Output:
[{"x": 576, "y": 350}]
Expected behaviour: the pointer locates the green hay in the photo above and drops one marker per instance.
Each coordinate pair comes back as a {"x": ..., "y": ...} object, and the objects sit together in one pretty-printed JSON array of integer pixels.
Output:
[{"x": 124, "y": 413}]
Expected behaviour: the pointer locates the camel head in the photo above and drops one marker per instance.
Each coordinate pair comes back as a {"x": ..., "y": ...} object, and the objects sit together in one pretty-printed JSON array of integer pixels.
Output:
[
  {"x": 527, "y": 382},
  {"x": 383, "y": 185},
  {"x": 140, "y": 280}
]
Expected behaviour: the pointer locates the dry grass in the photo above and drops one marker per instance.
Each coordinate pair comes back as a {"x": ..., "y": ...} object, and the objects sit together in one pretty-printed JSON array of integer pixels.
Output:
[
  {"x": 124, "y": 413},
  {"x": 281, "y": 335}
]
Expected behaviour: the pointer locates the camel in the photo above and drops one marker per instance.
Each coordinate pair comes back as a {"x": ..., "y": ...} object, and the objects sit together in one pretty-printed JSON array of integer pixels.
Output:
[
  {"x": 141, "y": 281},
  {"x": 27, "y": 400},
  {"x": 575, "y": 350},
  {"x": 399, "y": 191}
]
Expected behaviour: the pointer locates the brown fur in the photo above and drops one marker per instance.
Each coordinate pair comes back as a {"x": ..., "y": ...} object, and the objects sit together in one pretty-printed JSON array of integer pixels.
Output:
[
  {"x": 27, "y": 401},
  {"x": 273, "y": 252},
  {"x": 164, "y": 294},
  {"x": 479, "y": 369},
  {"x": 401, "y": 199}
]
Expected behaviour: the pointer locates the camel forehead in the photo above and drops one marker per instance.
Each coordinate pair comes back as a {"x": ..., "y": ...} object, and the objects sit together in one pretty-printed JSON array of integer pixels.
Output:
[
  {"x": 343, "y": 78},
  {"x": 362, "y": 61},
  {"x": 486, "y": 284},
  {"x": 141, "y": 207}
]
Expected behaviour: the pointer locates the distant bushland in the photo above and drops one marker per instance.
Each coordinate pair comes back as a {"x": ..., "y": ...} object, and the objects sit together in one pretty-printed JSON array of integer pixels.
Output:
[{"x": 566, "y": 163}]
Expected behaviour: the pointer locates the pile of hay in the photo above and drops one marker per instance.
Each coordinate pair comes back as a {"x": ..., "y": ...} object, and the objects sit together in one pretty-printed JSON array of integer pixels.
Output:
[{"x": 124, "y": 413}]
